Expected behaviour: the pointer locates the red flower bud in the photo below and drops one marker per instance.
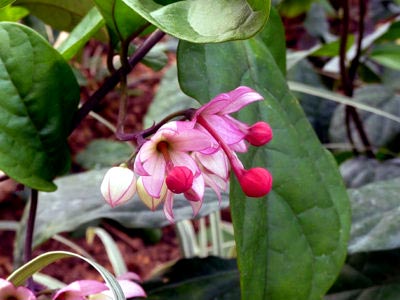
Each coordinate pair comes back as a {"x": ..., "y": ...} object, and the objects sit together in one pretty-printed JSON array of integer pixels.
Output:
[
  {"x": 256, "y": 182},
  {"x": 179, "y": 179},
  {"x": 259, "y": 134}
]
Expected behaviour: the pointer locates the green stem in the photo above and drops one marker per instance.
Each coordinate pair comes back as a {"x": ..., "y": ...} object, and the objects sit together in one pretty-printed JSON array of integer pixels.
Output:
[{"x": 30, "y": 230}]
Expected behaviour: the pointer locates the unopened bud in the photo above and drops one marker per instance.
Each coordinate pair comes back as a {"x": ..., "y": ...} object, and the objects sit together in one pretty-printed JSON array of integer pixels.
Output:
[
  {"x": 118, "y": 186},
  {"x": 259, "y": 134},
  {"x": 256, "y": 182},
  {"x": 179, "y": 179}
]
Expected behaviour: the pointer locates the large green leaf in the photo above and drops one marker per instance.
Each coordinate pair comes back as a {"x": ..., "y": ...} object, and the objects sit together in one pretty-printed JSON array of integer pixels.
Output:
[
  {"x": 121, "y": 20},
  {"x": 380, "y": 130},
  {"x": 208, "y": 278},
  {"x": 204, "y": 21},
  {"x": 360, "y": 171},
  {"x": 292, "y": 243},
  {"x": 60, "y": 14},
  {"x": 12, "y": 13},
  {"x": 383, "y": 292},
  {"x": 376, "y": 211},
  {"x": 38, "y": 97}
]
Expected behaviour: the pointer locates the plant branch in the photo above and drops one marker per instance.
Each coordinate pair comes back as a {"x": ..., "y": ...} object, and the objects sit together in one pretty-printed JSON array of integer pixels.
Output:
[
  {"x": 114, "y": 79},
  {"x": 348, "y": 75}
]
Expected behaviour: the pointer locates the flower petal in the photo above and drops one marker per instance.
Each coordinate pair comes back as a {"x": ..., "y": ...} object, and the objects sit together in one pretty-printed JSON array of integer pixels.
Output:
[
  {"x": 156, "y": 168},
  {"x": 240, "y": 97},
  {"x": 196, "y": 193},
  {"x": 227, "y": 130},
  {"x": 131, "y": 289},
  {"x": 192, "y": 140},
  {"x": 78, "y": 289},
  {"x": 168, "y": 204},
  {"x": 184, "y": 159}
]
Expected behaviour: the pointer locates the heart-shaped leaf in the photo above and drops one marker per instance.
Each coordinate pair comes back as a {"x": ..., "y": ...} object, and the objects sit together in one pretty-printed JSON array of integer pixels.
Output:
[
  {"x": 376, "y": 209},
  {"x": 38, "y": 97},
  {"x": 204, "y": 21},
  {"x": 292, "y": 243}
]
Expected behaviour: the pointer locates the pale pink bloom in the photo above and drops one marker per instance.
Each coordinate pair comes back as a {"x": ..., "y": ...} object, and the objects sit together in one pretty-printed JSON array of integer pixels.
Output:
[
  {"x": 167, "y": 149},
  {"x": 79, "y": 290},
  {"x": 9, "y": 291},
  {"x": 131, "y": 289},
  {"x": 118, "y": 186},
  {"x": 92, "y": 289},
  {"x": 216, "y": 114}
]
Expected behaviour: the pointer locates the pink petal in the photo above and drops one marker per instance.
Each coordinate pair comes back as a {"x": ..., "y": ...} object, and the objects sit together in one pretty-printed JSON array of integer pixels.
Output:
[
  {"x": 78, "y": 289},
  {"x": 131, "y": 289},
  {"x": 184, "y": 159},
  {"x": 240, "y": 147},
  {"x": 227, "y": 130},
  {"x": 240, "y": 97},
  {"x": 168, "y": 204},
  {"x": 192, "y": 140},
  {"x": 156, "y": 168},
  {"x": 216, "y": 163},
  {"x": 196, "y": 207},
  {"x": 196, "y": 193}
]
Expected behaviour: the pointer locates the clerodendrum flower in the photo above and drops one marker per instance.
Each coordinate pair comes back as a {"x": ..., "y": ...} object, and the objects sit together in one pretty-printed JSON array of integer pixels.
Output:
[
  {"x": 184, "y": 157},
  {"x": 231, "y": 134},
  {"x": 165, "y": 160},
  {"x": 92, "y": 289},
  {"x": 9, "y": 291}
]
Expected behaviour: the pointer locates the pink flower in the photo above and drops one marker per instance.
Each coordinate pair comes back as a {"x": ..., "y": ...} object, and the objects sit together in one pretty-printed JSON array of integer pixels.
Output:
[
  {"x": 230, "y": 134},
  {"x": 9, "y": 291},
  {"x": 82, "y": 289},
  {"x": 216, "y": 114},
  {"x": 165, "y": 159},
  {"x": 118, "y": 186}
]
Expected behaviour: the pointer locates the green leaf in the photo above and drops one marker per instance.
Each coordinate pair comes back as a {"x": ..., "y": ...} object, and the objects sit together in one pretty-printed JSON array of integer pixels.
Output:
[
  {"x": 19, "y": 276},
  {"x": 102, "y": 153},
  {"x": 60, "y": 14},
  {"x": 387, "y": 55},
  {"x": 12, "y": 13},
  {"x": 375, "y": 209},
  {"x": 328, "y": 95},
  {"x": 360, "y": 171},
  {"x": 332, "y": 49},
  {"x": 38, "y": 97},
  {"x": 293, "y": 8},
  {"x": 204, "y": 21},
  {"x": 168, "y": 99},
  {"x": 78, "y": 201},
  {"x": 4, "y": 3},
  {"x": 292, "y": 243},
  {"x": 383, "y": 292},
  {"x": 197, "y": 278},
  {"x": 121, "y": 20},
  {"x": 381, "y": 130},
  {"x": 81, "y": 34},
  {"x": 112, "y": 250}
]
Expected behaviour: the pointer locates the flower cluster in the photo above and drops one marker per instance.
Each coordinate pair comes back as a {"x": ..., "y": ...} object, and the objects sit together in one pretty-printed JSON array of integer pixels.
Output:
[{"x": 185, "y": 157}]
